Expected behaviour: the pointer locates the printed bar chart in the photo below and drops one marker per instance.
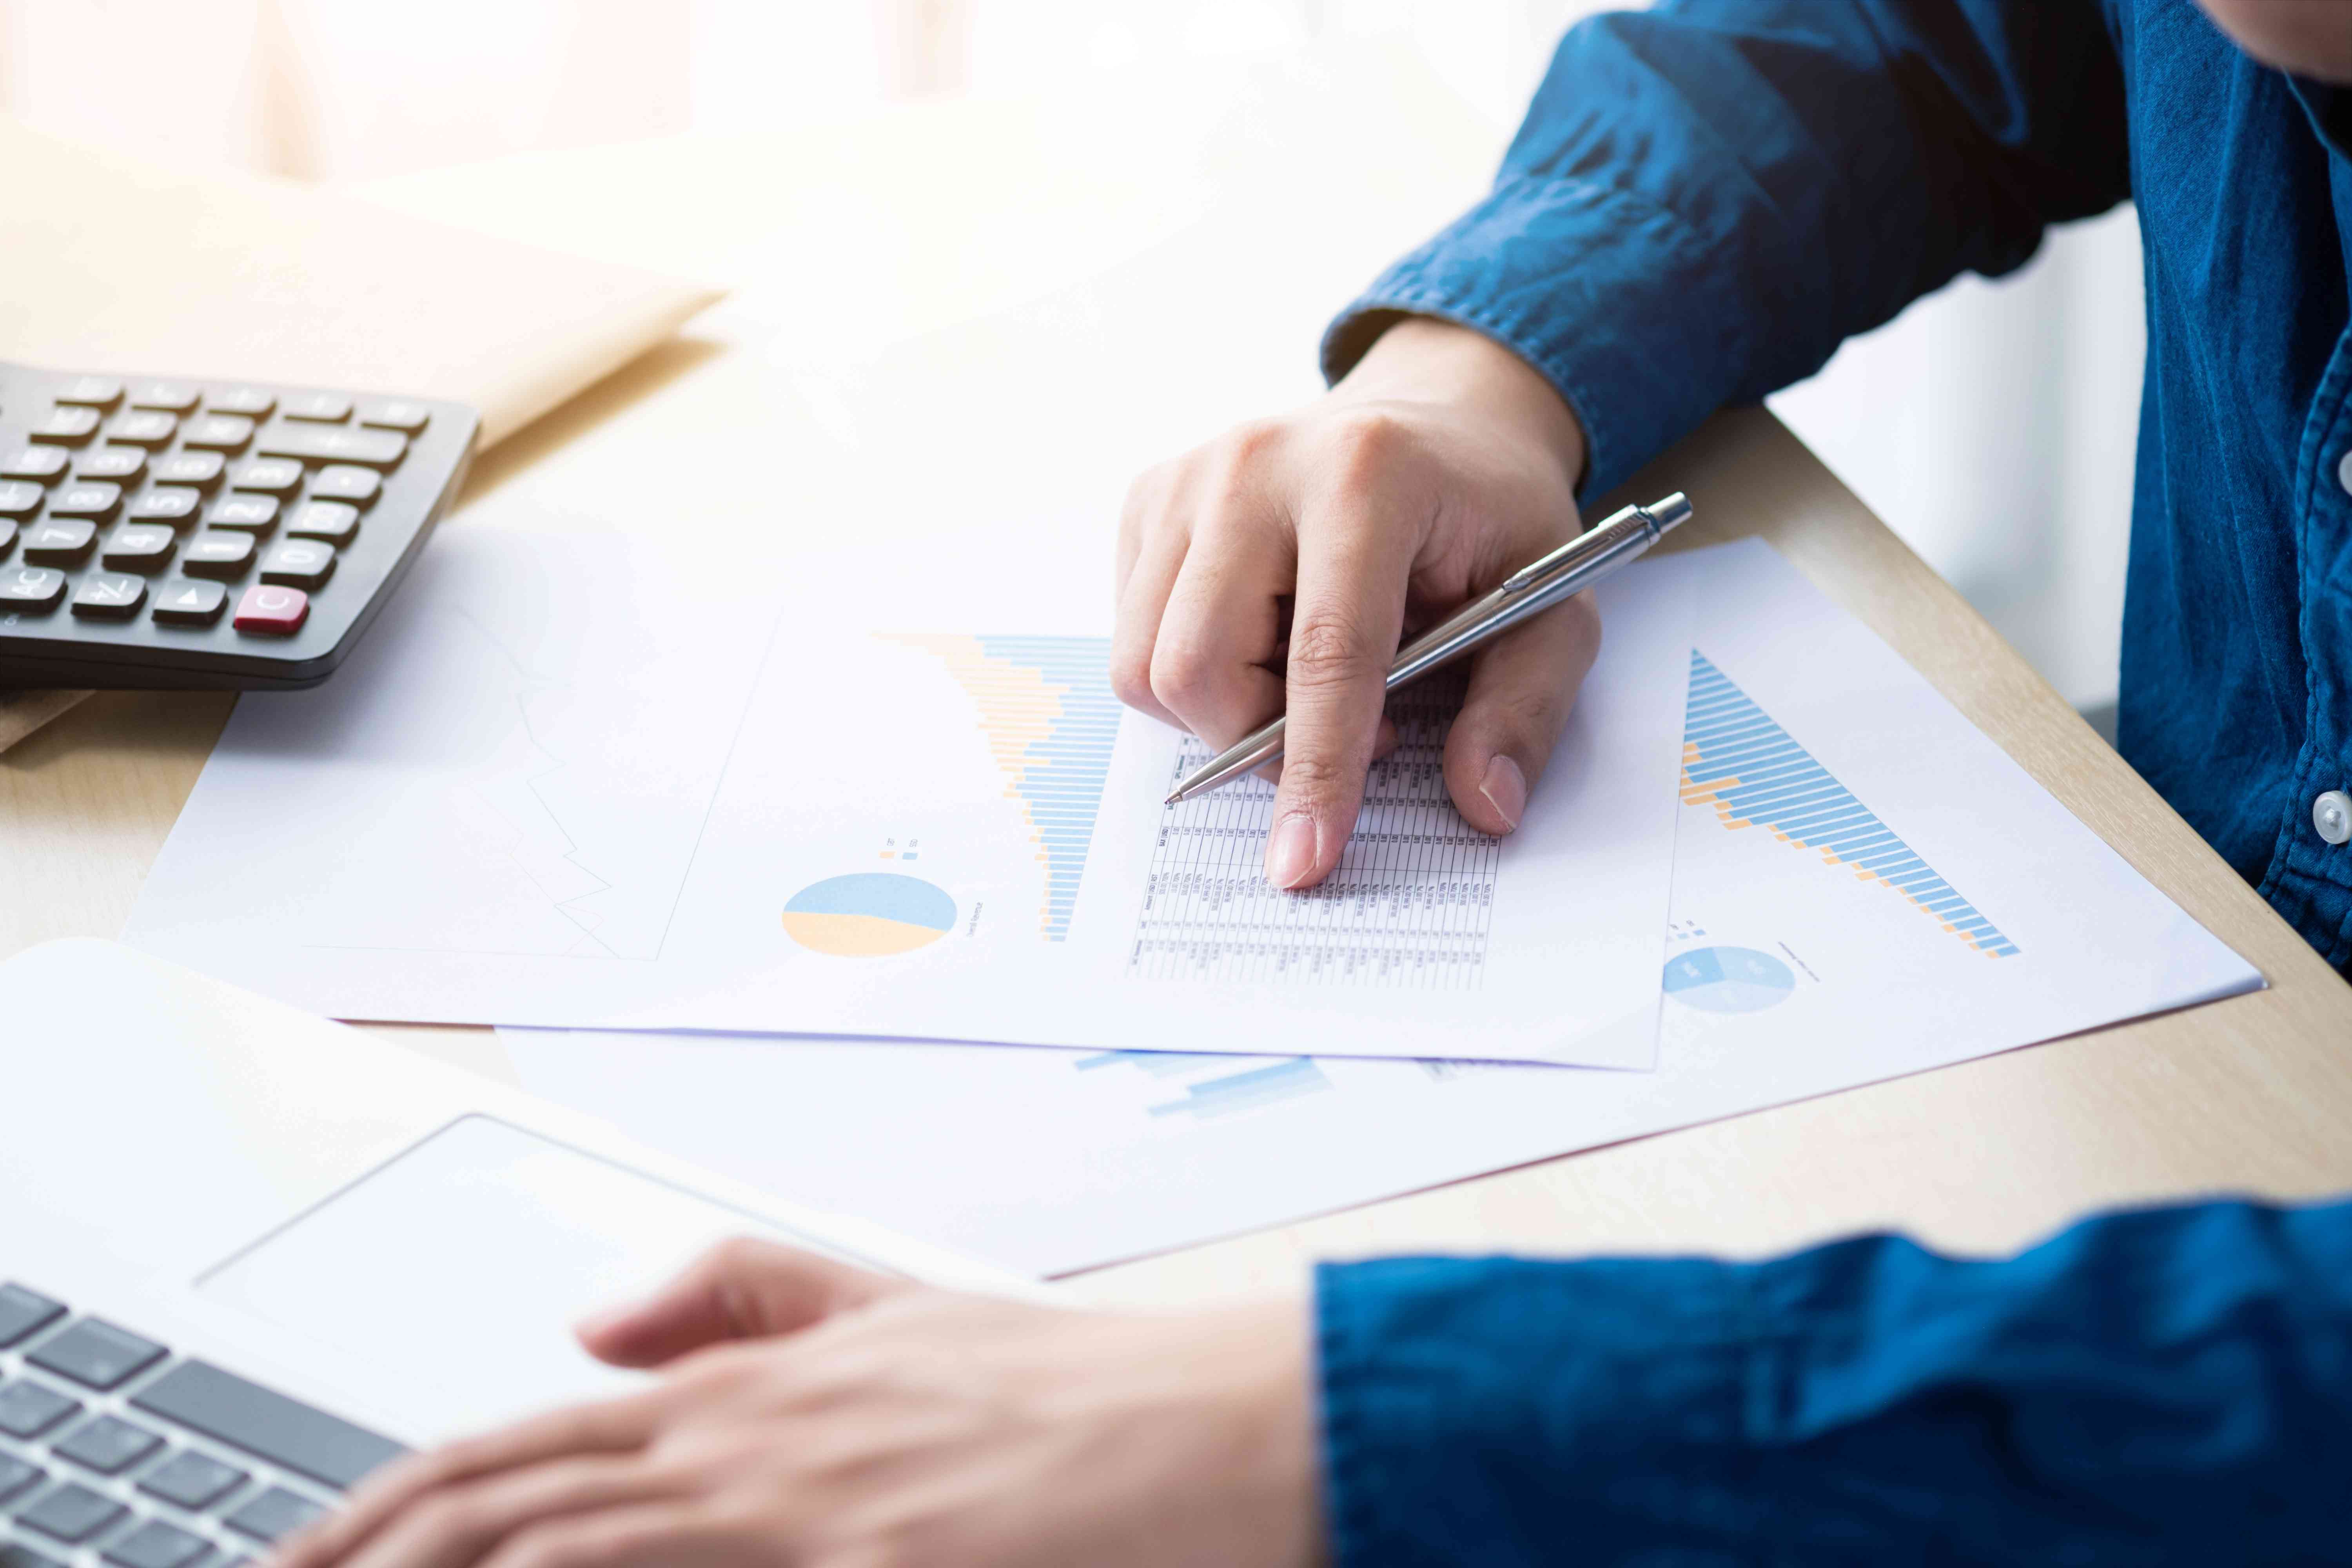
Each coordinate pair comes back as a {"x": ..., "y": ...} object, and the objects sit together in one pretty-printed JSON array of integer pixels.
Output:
[
  {"x": 1736, "y": 758},
  {"x": 1046, "y": 707}
]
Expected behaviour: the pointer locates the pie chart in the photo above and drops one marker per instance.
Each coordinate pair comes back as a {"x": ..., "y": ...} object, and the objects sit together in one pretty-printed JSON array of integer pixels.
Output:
[
  {"x": 871, "y": 914},
  {"x": 1728, "y": 980}
]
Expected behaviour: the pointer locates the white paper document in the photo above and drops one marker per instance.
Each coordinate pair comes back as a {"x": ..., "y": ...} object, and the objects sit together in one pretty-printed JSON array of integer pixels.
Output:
[
  {"x": 1865, "y": 887},
  {"x": 568, "y": 781}
]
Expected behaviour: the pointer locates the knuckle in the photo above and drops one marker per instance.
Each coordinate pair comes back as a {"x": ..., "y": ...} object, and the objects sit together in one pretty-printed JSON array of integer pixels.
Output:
[
  {"x": 1181, "y": 672},
  {"x": 1367, "y": 446},
  {"x": 1130, "y": 677},
  {"x": 1329, "y": 648},
  {"x": 1251, "y": 444}
]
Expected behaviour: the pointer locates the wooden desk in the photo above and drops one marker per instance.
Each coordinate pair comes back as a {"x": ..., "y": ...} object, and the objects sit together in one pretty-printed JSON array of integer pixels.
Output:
[{"x": 2253, "y": 1094}]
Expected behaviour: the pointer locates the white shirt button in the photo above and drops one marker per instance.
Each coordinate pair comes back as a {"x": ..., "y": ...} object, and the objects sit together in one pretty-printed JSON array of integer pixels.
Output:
[
  {"x": 2332, "y": 815},
  {"x": 2343, "y": 471}
]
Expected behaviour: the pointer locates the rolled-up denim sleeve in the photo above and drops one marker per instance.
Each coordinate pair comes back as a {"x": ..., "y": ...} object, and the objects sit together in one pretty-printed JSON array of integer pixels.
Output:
[
  {"x": 1707, "y": 198},
  {"x": 2170, "y": 1385}
]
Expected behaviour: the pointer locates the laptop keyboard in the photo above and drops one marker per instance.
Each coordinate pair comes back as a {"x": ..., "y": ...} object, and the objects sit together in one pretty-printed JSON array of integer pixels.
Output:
[{"x": 115, "y": 1452}]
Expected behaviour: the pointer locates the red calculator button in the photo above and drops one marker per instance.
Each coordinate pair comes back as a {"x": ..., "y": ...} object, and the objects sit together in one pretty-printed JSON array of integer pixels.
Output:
[{"x": 267, "y": 607}]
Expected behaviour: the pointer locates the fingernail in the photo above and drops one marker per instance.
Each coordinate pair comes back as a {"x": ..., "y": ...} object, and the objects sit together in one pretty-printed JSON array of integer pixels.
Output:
[
  {"x": 1506, "y": 789},
  {"x": 1290, "y": 852}
]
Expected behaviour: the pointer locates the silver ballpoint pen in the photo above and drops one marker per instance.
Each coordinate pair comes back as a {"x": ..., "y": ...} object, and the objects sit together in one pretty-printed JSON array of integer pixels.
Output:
[{"x": 1531, "y": 590}]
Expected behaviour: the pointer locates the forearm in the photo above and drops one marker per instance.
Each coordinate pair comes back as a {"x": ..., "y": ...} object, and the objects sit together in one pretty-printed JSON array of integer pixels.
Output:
[
  {"x": 1707, "y": 198},
  {"x": 2166, "y": 1386}
]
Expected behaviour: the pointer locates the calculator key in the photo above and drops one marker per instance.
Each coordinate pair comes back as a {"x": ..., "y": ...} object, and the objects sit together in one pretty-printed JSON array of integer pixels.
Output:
[
  {"x": 193, "y": 1480},
  {"x": 300, "y": 563},
  {"x": 175, "y": 507},
  {"x": 157, "y": 1544},
  {"x": 94, "y": 1353},
  {"x": 404, "y": 415},
  {"x": 221, "y": 555},
  {"x": 253, "y": 402},
  {"x": 143, "y": 428},
  {"x": 272, "y": 476},
  {"x": 331, "y": 521},
  {"x": 220, "y": 433},
  {"x": 15, "y": 1554},
  {"x": 332, "y": 408},
  {"x": 61, "y": 542},
  {"x": 23, "y": 1310},
  {"x": 72, "y": 1513},
  {"x": 122, "y": 464},
  {"x": 27, "y": 588},
  {"x": 15, "y": 1475},
  {"x": 321, "y": 444},
  {"x": 18, "y": 499},
  {"x": 92, "y": 499},
  {"x": 92, "y": 391},
  {"x": 176, "y": 395},
  {"x": 276, "y": 611},
  {"x": 187, "y": 603},
  {"x": 8, "y": 536},
  {"x": 256, "y": 514},
  {"x": 343, "y": 482},
  {"x": 43, "y": 463},
  {"x": 199, "y": 470},
  {"x": 66, "y": 427},
  {"x": 139, "y": 547},
  {"x": 277, "y": 1512},
  {"x": 108, "y": 1445},
  {"x": 27, "y": 1409}
]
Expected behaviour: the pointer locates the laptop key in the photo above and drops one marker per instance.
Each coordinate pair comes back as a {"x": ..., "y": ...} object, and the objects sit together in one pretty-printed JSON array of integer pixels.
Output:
[
  {"x": 108, "y": 1445},
  {"x": 23, "y": 1310},
  {"x": 265, "y": 1424},
  {"x": 157, "y": 1544},
  {"x": 15, "y": 1475},
  {"x": 27, "y": 1409},
  {"x": 193, "y": 1480},
  {"x": 274, "y": 1515},
  {"x": 72, "y": 1513},
  {"x": 97, "y": 1354}
]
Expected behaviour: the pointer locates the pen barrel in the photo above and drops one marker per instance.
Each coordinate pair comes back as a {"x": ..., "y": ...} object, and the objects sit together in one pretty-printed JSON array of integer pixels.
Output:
[{"x": 1584, "y": 560}]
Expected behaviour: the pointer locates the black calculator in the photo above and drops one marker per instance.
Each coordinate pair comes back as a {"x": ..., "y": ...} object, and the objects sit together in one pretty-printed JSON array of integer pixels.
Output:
[{"x": 186, "y": 534}]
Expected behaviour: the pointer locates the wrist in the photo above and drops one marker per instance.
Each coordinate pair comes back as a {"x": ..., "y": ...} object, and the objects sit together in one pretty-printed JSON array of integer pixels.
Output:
[{"x": 1425, "y": 359}]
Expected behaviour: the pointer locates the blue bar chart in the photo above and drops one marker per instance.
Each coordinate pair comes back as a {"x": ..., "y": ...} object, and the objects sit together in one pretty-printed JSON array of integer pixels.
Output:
[
  {"x": 1225, "y": 1085},
  {"x": 1047, "y": 709},
  {"x": 1738, "y": 759}
]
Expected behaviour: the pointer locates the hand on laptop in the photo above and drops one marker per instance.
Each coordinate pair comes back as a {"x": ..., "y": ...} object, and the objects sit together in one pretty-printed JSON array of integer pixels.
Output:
[
  {"x": 1440, "y": 465},
  {"x": 812, "y": 1414}
]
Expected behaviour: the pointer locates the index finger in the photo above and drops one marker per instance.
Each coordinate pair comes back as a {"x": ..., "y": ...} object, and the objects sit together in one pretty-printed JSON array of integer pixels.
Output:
[{"x": 1353, "y": 565}]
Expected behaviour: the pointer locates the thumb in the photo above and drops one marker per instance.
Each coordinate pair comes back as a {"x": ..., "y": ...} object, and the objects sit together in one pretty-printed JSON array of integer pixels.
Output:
[
  {"x": 1522, "y": 688},
  {"x": 740, "y": 1289}
]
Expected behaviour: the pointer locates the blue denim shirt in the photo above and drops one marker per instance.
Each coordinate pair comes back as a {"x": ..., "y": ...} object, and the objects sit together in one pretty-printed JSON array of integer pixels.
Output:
[{"x": 1705, "y": 199}]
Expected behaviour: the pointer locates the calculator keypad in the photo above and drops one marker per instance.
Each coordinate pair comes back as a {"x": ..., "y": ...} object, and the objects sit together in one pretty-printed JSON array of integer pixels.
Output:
[{"x": 229, "y": 534}]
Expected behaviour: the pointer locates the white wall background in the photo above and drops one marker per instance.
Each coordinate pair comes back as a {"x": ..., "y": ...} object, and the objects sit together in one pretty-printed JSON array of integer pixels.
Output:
[{"x": 1992, "y": 425}]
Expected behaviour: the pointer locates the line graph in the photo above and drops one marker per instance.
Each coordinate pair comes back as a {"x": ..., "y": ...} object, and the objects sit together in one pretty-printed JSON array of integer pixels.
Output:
[
  {"x": 1046, "y": 707},
  {"x": 1216, "y": 1086},
  {"x": 1738, "y": 759}
]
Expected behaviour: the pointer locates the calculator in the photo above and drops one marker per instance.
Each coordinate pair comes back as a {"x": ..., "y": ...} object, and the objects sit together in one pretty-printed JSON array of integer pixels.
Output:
[{"x": 194, "y": 534}]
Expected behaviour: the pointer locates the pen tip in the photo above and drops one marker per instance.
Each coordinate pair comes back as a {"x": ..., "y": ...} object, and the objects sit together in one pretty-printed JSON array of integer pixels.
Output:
[{"x": 1175, "y": 797}]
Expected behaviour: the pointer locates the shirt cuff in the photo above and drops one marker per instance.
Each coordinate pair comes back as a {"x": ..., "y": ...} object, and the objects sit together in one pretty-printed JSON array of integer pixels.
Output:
[
  {"x": 1501, "y": 1412},
  {"x": 1609, "y": 295}
]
